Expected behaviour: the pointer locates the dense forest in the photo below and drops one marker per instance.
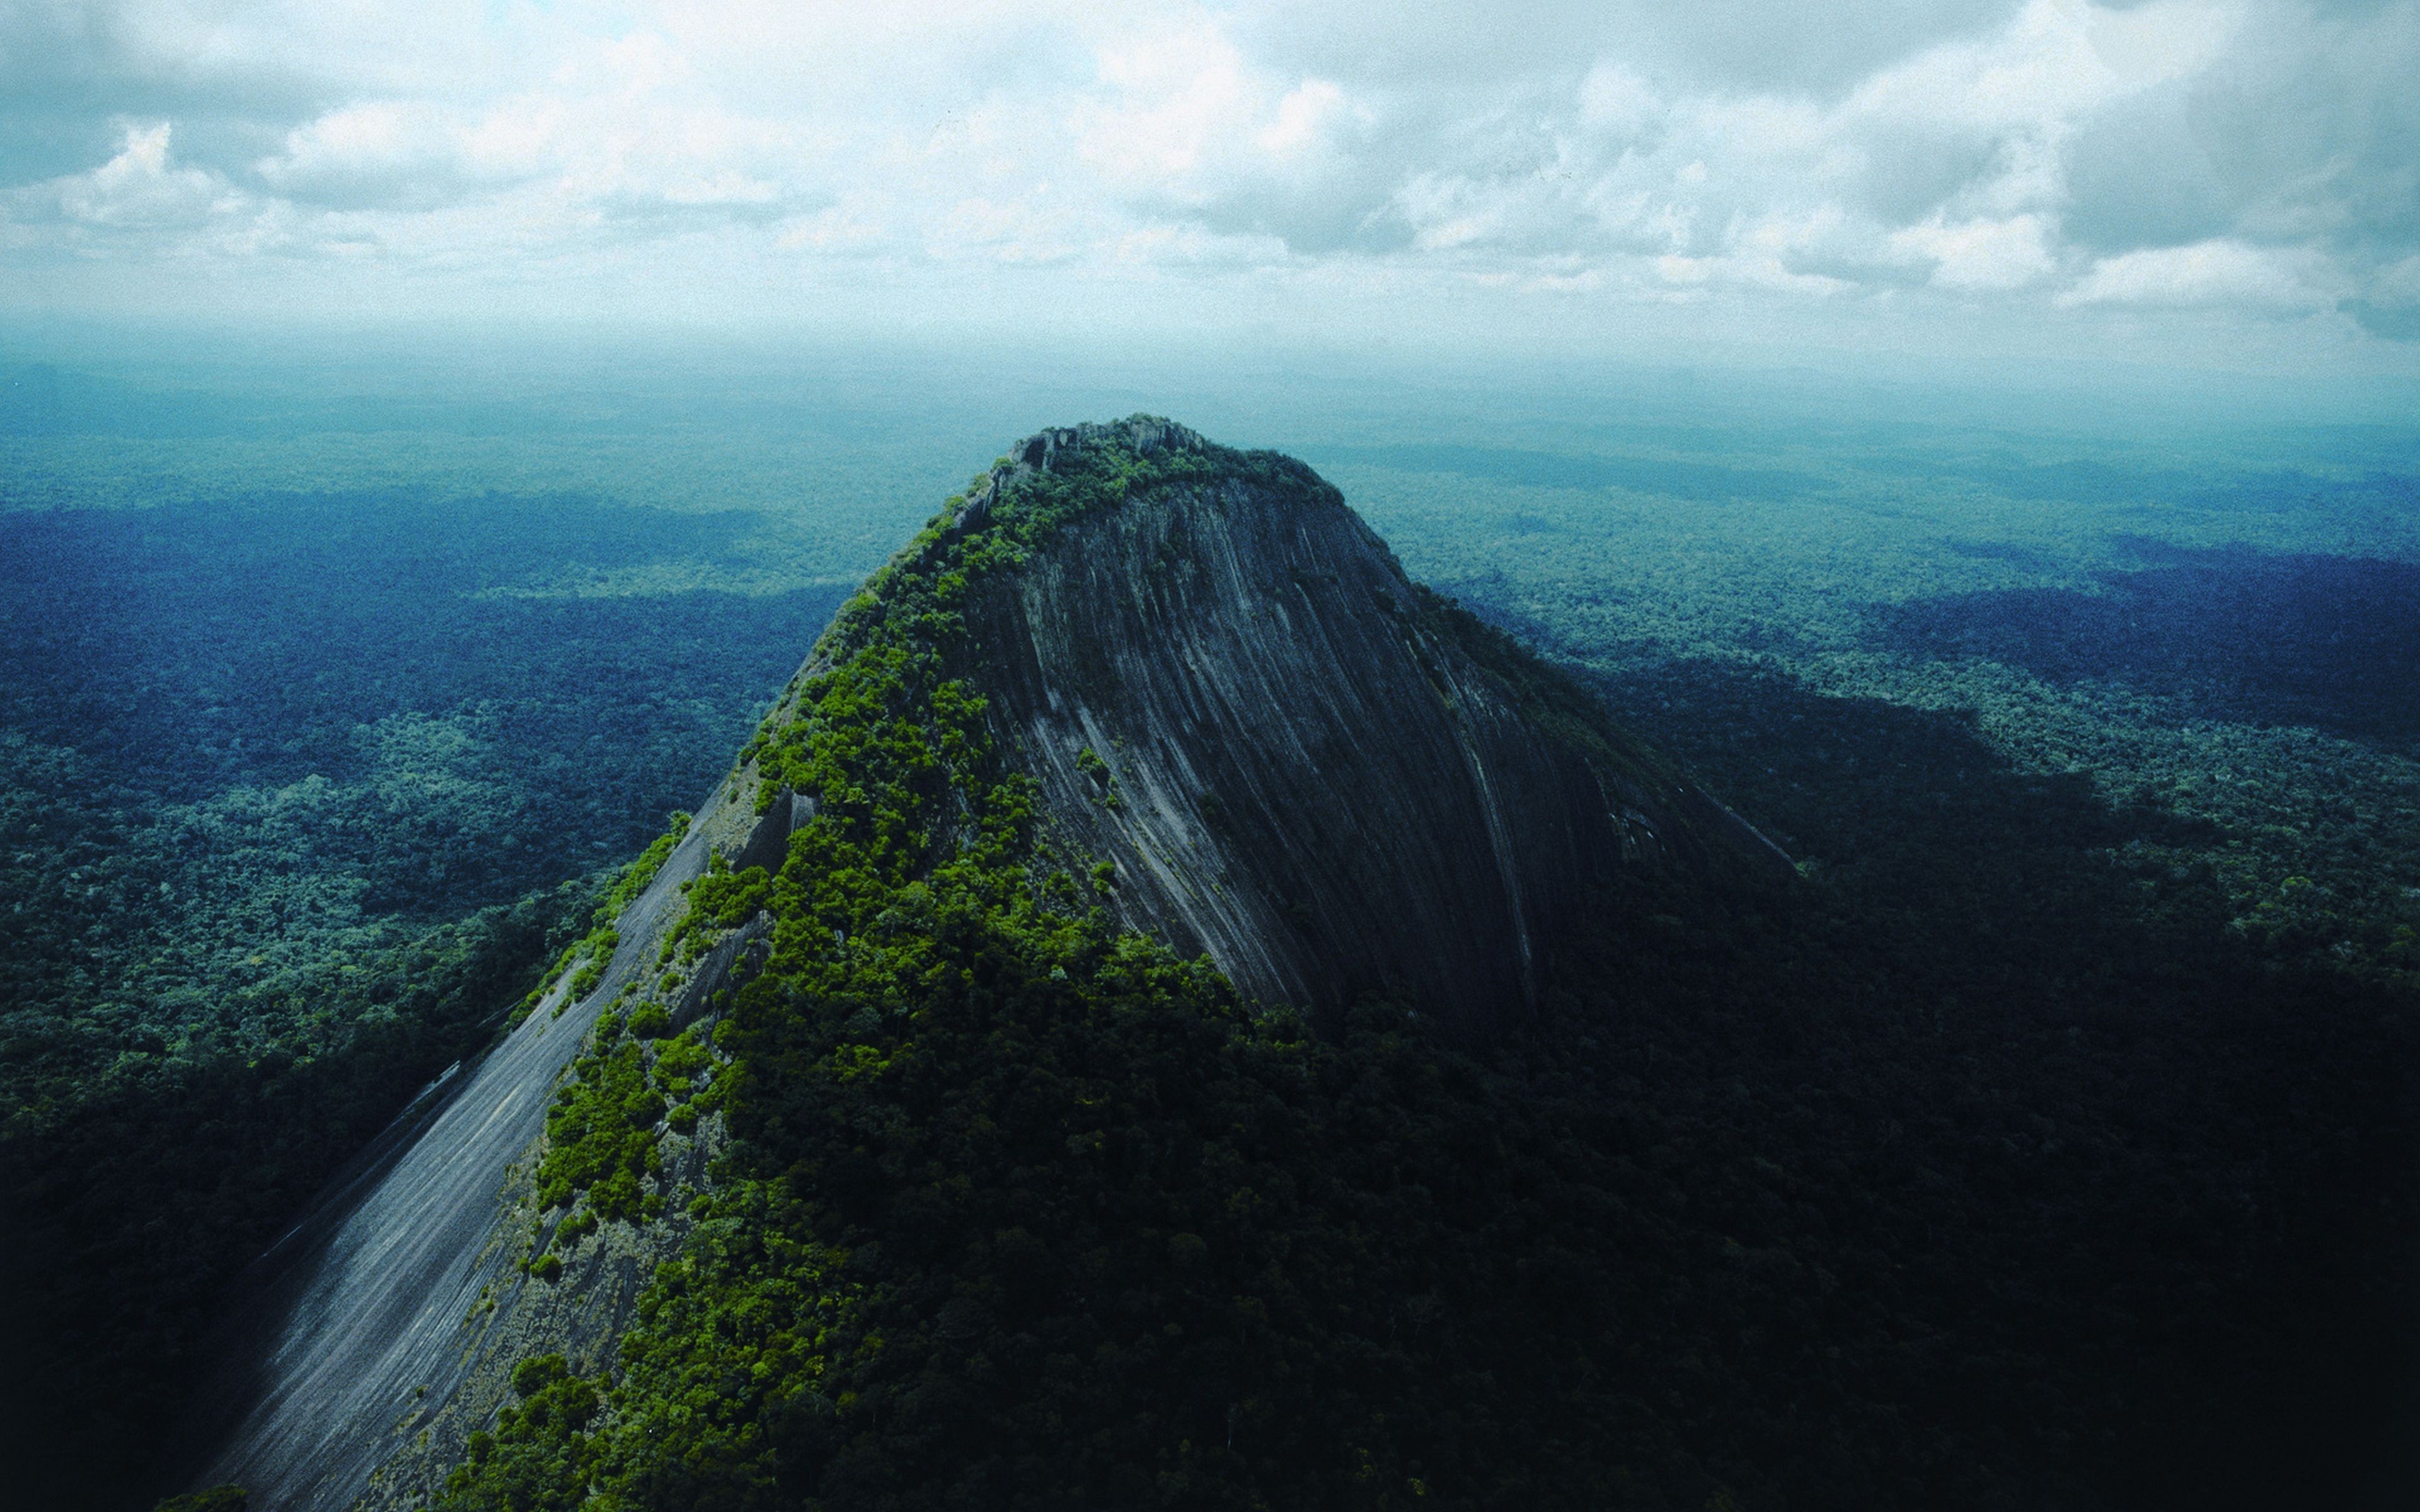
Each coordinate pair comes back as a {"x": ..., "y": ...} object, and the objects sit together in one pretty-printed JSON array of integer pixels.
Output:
[
  {"x": 1788, "y": 1199},
  {"x": 2050, "y": 1143},
  {"x": 295, "y": 808}
]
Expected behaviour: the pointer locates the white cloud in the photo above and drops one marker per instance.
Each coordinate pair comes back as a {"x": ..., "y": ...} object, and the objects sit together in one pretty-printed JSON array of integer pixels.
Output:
[
  {"x": 1184, "y": 120},
  {"x": 1996, "y": 155},
  {"x": 2219, "y": 273},
  {"x": 1979, "y": 254},
  {"x": 856, "y": 224},
  {"x": 1179, "y": 106},
  {"x": 1307, "y": 122},
  {"x": 1008, "y": 231},
  {"x": 140, "y": 190},
  {"x": 2055, "y": 60},
  {"x": 402, "y": 153},
  {"x": 1616, "y": 101}
]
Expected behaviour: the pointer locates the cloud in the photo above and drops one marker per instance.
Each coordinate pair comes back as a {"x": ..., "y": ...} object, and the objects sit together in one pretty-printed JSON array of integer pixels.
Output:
[
  {"x": 1980, "y": 253},
  {"x": 2259, "y": 158},
  {"x": 2389, "y": 306},
  {"x": 400, "y": 154},
  {"x": 139, "y": 191},
  {"x": 1475, "y": 46},
  {"x": 2215, "y": 272},
  {"x": 1183, "y": 124}
]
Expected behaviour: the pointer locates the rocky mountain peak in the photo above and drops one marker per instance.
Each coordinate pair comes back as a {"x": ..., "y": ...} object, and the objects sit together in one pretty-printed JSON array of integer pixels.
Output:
[{"x": 1297, "y": 762}]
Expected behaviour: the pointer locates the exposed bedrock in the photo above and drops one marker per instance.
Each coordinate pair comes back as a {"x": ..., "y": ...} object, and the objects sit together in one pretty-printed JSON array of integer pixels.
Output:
[
  {"x": 1293, "y": 755},
  {"x": 383, "y": 1329}
]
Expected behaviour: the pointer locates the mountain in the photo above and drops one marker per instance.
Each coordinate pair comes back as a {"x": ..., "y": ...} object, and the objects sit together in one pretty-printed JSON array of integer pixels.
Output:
[
  {"x": 1298, "y": 761},
  {"x": 1145, "y": 767}
]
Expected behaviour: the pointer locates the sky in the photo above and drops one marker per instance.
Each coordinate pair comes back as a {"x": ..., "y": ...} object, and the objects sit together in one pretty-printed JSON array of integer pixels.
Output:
[{"x": 2229, "y": 184}]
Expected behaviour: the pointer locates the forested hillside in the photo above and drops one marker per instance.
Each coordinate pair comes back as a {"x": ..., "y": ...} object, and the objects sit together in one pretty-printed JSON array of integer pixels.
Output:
[
  {"x": 2050, "y": 1143},
  {"x": 1997, "y": 1182},
  {"x": 300, "y": 794}
]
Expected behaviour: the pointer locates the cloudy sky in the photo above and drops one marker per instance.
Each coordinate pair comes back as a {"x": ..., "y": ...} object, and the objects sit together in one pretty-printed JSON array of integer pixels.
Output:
[{"x": 2229, "y": 181}]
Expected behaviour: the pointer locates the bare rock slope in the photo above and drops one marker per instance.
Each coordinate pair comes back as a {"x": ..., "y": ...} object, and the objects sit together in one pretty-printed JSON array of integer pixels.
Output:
[
  {"x": 1299, "y": 762},
  {"x": 379, "y": 1332}
]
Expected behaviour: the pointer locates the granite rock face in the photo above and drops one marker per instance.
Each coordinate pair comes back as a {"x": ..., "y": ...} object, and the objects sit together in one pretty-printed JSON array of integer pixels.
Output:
[
  {"x": 382, "y": 1331},
  {"x": 1299, "y": 762}
]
